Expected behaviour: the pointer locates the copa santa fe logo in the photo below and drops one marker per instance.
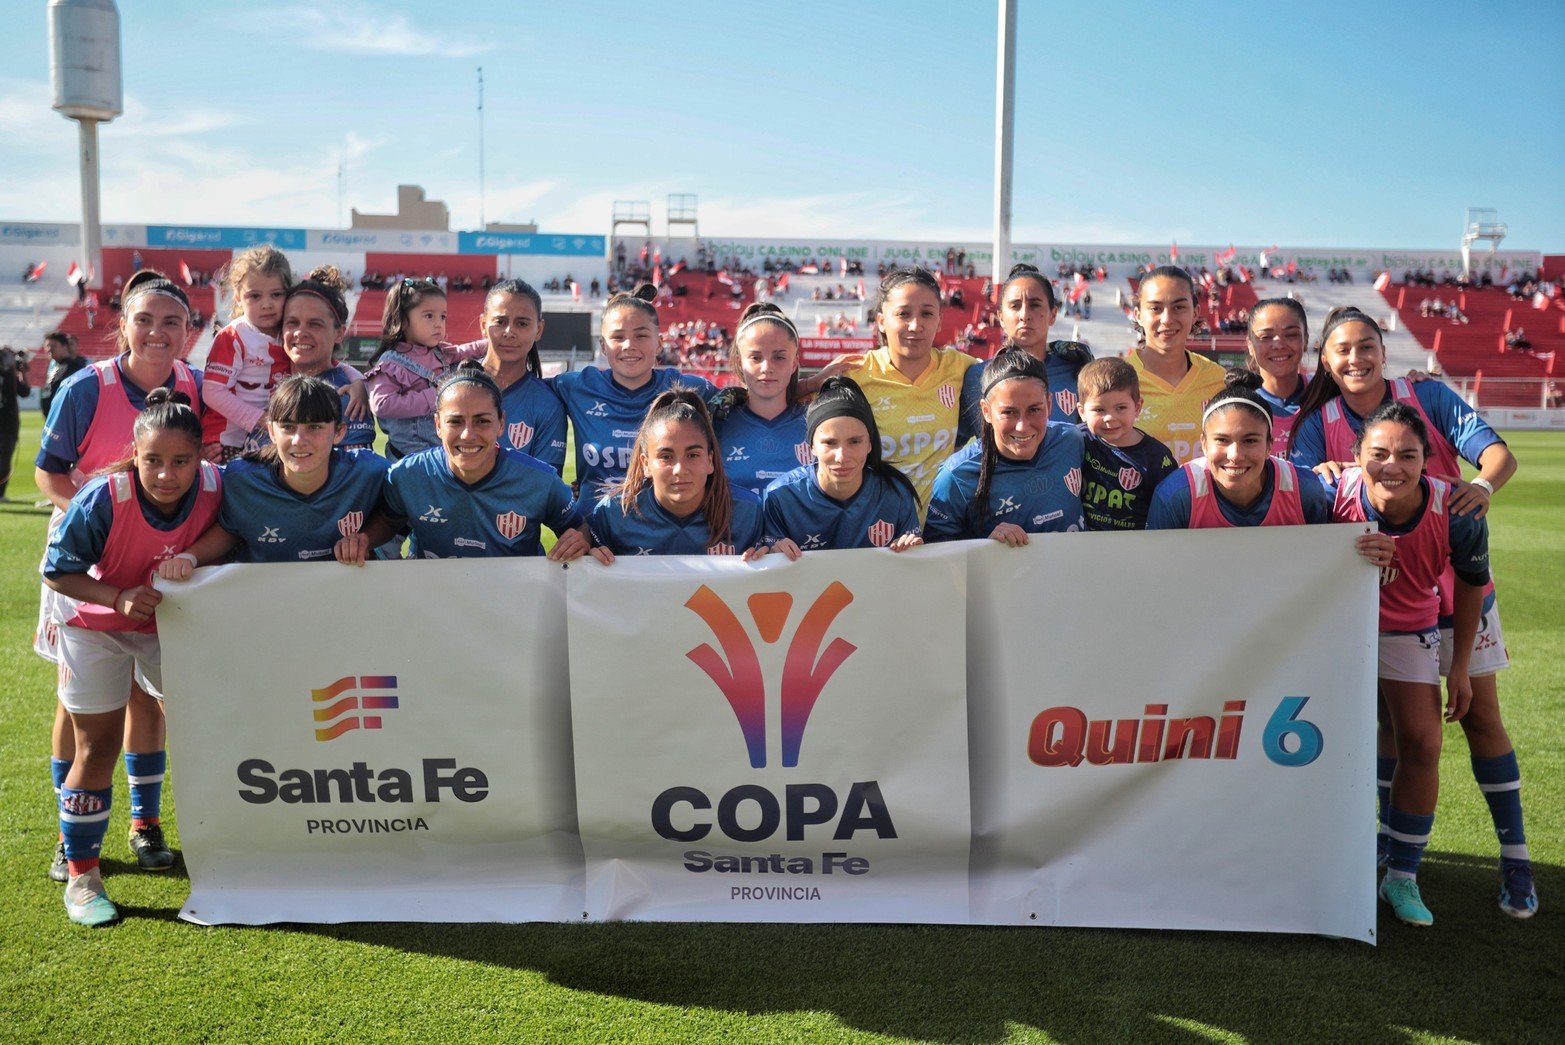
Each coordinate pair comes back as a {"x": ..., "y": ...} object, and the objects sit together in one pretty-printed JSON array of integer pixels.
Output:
[{"x": 510, "y": 524}]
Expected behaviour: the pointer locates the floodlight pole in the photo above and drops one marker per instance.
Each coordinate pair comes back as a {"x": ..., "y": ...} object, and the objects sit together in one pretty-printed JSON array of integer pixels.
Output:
[
  {"x": 1004, "y": 125},
  {"x": 481, "y": 224}
]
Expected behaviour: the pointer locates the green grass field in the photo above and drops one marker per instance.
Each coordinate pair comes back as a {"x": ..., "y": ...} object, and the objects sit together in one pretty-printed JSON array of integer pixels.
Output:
[{"x": 1476, "y": 976}]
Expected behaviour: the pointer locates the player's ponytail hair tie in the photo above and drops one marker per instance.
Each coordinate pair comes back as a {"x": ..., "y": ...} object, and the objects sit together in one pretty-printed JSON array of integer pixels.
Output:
[
  {"x": 1240, "y": 390},
  {"x": 328, "y": 284}
]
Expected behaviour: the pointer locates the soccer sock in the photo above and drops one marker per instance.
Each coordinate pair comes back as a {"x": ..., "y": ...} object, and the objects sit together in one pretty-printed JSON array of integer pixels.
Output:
[
  {"x": 1500, "y": 780},
  {"x": 59, "y": 769},
  {"x": 1408, "y": 835},
  {"x": 84, "y": 818},
  {"x": 144, "y": 772},
  {"x": 1385, "y": 769}
]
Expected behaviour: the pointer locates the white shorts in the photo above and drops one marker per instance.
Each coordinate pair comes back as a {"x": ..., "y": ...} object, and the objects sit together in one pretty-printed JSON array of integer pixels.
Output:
[
  {"x": 97, "y": 668},
  {"x": 1490, "y": 656},
  {"x": 52, "y": 608},
  {"x": 1410, "y": 658}
]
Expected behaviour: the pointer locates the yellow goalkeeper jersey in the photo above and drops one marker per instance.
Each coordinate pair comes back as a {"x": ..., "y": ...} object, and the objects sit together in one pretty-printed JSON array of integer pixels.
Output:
[
  {"x": 1171, "y": 414},
  {"x": 918, "y": 420}
]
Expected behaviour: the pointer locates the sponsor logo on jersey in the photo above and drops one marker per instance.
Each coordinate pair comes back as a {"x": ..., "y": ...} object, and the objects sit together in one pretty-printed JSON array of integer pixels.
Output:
[
  {"x": 1007, "y": 505},
  {"x": 1066, "y": 400},
  {"x": 883, "y": 405},
  {"x": 338, "y": 707},
  {"x": 736, "y": 453},
  {"x": 510, "y": 524},
  {"x": 1129, "y": 478},
  {"x": 271, "y": 535},
  {"x": 350, "y": 524},
  {"x": 947, "y": 396},
  {"x": 315, "y": 553},
  {"x": 1073, "y": 481},
  {"x": 468, "y": 542},
  {"x": 520, "y": 433},
  {"x": 813, "y": 540},
  {"x": 434, "y": 514},
  {"x": 1039, "y": 520},
  {"x": 598, "y": 409},
  {"x": 920, "y": 419},
  {"x": 801, "y": 453},
  {"x": 881, "y": 533}
]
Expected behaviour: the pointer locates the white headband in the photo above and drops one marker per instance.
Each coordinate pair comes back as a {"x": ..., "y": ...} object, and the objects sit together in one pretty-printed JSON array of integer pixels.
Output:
[
  {"x": 775, "y": 317},
  {"x": 1218, "y": 404}
]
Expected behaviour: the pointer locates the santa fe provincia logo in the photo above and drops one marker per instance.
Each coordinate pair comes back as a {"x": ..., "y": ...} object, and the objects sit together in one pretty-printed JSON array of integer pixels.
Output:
[{"x": 806, "y": 667}]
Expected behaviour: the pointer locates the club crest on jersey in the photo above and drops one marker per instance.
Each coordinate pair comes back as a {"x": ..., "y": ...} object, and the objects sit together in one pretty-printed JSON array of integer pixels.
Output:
[
  {"x": 947, "y": 396},
  {"x": 520, "y": 433},
  {"x": 881, "y": 533},
  {"x": 1066, "y": 400},
  {"x": 1073, "y": 480},
  {"x": 801, "y": 453},
  {"x": 349, "y": 524},
  {"x": 1129, "y": 478},
  {"x": 720, "y": 549},
  {"x": 510, "y": 524}
]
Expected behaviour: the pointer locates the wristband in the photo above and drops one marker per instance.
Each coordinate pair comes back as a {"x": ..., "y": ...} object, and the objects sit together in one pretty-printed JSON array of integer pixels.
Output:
[
  {"x": 187, "y": 555},
  {"x": 1487, "y": 486}
]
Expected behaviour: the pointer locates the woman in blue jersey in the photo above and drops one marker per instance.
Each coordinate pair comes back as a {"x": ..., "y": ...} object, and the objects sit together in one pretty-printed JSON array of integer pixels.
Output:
[
  {"x": 295, "y": 498},
  {"x": 1349, "y": 385},
  {"x": 315, "y": 319},
  {"x": 512, "y": 322},
  {"x": 1022, "y": 475},
  {"x": 1028, "y": 307},
  {"x": 1276, "y": 336},
  {"x": 1236, "y": 481},
  {"x": 606, "y": 406},
  {"x": 675, "y": 499},
  {"x": 470, "y": 497},
  {"x": 760, "y": 425},
  {"x": 850, "y": 497}
]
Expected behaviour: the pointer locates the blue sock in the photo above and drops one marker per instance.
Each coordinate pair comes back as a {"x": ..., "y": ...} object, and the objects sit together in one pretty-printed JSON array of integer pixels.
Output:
[
  {"x": 1409, "y": 834},
  {"x": 1500, "y": 780},
  {"x": 1385, "y": 769},
  {"x": 144, "y": 772},
  {"x": 84, "y": 819}
]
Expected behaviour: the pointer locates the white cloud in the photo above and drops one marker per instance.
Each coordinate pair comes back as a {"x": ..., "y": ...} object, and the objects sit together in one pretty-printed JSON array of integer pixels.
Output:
[{"x": 362, "y": 29}]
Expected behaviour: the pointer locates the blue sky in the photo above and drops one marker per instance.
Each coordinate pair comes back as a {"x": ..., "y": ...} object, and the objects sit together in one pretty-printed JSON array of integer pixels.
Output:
[{"x": 1253, "y": 123}]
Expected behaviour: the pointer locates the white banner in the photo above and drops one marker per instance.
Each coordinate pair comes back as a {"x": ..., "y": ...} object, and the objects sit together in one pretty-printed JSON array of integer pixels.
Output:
[
  {"x": 389, "y": 743},
  {"x": 1180, "y": 735},
  {"x": 773, "y": 742}
]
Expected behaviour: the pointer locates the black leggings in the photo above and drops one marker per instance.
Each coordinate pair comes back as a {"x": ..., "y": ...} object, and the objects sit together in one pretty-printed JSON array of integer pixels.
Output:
[{"x": 10, "y": 433}]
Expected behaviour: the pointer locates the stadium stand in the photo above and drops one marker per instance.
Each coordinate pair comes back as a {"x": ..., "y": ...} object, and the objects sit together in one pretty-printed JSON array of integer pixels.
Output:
[{"x": 1477, "y": 348}]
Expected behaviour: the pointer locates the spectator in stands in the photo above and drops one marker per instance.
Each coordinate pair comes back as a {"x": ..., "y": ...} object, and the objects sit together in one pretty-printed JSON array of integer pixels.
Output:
[
  {"x": 13, "y": 385},
  {"x": 1517, "y": 340},
  {"x": 63, "y": 362}
]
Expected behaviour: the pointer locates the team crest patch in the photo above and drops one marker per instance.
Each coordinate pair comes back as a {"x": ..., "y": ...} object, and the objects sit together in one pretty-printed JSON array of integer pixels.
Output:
[
  {"x": 520, "y": 432},
  {"x": 720, "y": 549},
  {"x": 510, "y": 524},
  {"x": 947, "y": 396},
  {"x": 1073, "y": 481},
  {"x": 801, "y": 452},
  {"x": 1067, "y": 401},
  {"x": 1129, "y": 479},
  {"x": 350, "y": 524},
  {"x": 881, "y": 532}
]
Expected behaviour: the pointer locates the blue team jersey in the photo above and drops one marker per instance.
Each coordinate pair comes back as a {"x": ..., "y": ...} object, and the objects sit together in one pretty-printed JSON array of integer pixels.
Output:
[
  {"x": 605, "y": 417},
  {"x": 1171, "y": 503},
  {"x": 275, "y": 524},
  {"x": 498, "y": 515},
  {"x": 358, "y": 434},
  {"x": 78, "y": 542},
  {"x": 72, "y": 409},
  {"x": 1064, "y": 362},
  {"x": 1042, "y": 495},
  {"x": 797, "y": 508},
  {"x": 757, "y": 451},
  {"x": 535, "y": 421},
  {"x": 1453, "y": 420},
  {"x": 652, "y": 530},
  {"x": 1117, "y": 482}
]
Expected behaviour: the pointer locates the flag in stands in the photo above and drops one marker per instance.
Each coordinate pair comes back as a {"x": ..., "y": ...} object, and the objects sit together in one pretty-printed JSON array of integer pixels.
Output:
[
  {"x": 724, "y": 278},
  {"x": 1383, "y": 281},
  {"x": 1173, "y": 252},
  {"x": 184, "y": 271},
  {"x": 34, "y": 272},
  {"x": 1540, "y": 300},
  {"x": 73, "y": 274},
  {"x": 575, "y": 291}
]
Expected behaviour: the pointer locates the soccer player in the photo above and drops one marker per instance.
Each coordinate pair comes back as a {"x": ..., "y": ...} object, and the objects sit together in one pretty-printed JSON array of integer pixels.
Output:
[
  {"x": 1421, "y": 538},
  {"x": 117, "y": 528},
  {"x": 606, "y": 406},
  {"x": 1028, "y": 307},
  {"x": 1349, "y": 384},
  {"x": 1121, "y": 464},
  {"x": 469, "y": 497},
  {"x": 1275, "y": 336},
  {"x": 1237, "y": 482},
  {"x": 760, "y": 425},
  {"x": 850, "y": 497},
  {"x": 675, "y": 499},
  {"x": 1023, "y": 473},
  {"x": 315, "y": 320},
  {"x": 1175, "y": 382},
  {"x": 917, "y": 391}
]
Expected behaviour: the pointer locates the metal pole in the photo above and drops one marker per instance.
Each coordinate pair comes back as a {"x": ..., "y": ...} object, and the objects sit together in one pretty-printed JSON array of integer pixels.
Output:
[
  {"x": 481, "y": 223},
  {"x": 92, "y": 233},
  {"x": 1004, "y": 120}
]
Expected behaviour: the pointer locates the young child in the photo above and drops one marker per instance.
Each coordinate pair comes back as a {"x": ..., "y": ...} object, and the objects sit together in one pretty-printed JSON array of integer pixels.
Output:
[
  {"x": 119, "y": 526},
  {"x": 1121, "y": 464},
  {"x": 408, "y": 365},
  {"x": 246, "y": 359},
  {"x": 675, "y": 499}
]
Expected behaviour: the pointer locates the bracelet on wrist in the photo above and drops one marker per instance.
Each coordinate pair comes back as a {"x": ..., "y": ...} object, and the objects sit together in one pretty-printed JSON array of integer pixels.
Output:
[{"x": 1487, "y": 486}]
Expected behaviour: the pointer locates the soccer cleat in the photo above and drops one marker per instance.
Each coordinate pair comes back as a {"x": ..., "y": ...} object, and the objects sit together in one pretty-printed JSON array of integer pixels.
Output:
[
  {"x": 86, "y": 902},
  {"x": 59, "y": 870},
  {"x": 1406, "y": 903},
  {"x": 1518, "y": 898},
  {"x": 152, "y": 853}
]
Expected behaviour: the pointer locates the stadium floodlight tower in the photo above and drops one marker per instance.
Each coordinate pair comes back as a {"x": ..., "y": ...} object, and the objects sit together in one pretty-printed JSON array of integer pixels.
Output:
[
  {"x": 1482, "y": 224},
  {"x": 84, "y": 63},
  {"x": 682, "y": 212},
  {"x": 633, "y": 213}
]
